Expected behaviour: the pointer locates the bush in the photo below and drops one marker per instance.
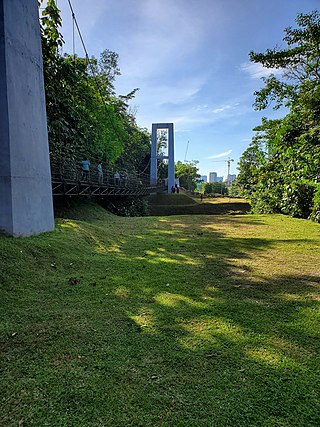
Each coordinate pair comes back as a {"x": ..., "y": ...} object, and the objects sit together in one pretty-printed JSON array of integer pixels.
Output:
[
  {"x": 128, "y": 206},
  {"x": 265, "y": 199},
  {"x": 215, "y": 187},
  {"x": 315, "y": 214},
  {"x": 297, "y": 199}
]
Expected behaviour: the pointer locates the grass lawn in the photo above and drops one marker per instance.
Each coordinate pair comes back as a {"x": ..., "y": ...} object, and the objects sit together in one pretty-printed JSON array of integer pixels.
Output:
[
  {"x": 183, "y": 204},
  {"x": 176, "y": 321}
]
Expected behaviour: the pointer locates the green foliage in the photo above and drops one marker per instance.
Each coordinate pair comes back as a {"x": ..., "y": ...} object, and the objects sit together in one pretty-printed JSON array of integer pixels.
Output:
[
  {"x": 128, "y": 206},
  {"x": 278, "y": 171},
  {"x": 297, "y": 198},
  {"x": 250, "y": 162},
  {"x": 299, "y": 63},
  {"x": 85, "y": 117},
  {"x": 215, "y": 188},
  {"x": 136, "y": 152},
  {"x": 315, "y": 214},
  {"x": 188, "y": 174},
  {"x": 51, "y": 38},
  {"x": 234, "y": 190}
]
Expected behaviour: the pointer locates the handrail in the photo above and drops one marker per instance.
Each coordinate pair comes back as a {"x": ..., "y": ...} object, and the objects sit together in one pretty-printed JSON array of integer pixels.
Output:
[
  {"x": 73, "y": 172},
  {"x": 68, "y": 177}
]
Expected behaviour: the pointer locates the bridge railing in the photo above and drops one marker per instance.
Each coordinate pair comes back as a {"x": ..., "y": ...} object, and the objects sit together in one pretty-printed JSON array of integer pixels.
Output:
[{"x": 71, "y": 172}]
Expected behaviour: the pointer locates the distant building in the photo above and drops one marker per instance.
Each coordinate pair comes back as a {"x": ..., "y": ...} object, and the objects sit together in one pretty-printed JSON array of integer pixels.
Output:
[
  {"x": 213, "y": 176},
  {"x": 219, "y": 179},
  {"x": 232, "y": 177},
  {"x": 204, "y": 178}
]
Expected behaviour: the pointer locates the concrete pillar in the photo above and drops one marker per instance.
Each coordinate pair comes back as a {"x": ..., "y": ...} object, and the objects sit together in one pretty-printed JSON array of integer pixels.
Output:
[
  {"x": 26, "y": 206},
  {"x": 170, "y": 157},
  {"x": 154, "y": 160},
  {"x": 171, "y": 174}
]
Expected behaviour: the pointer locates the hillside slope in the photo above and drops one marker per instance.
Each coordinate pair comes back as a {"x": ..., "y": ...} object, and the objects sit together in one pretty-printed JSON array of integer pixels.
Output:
[
  {"x": 182, "y": 204},
  {"x": 161, "y": 321}
]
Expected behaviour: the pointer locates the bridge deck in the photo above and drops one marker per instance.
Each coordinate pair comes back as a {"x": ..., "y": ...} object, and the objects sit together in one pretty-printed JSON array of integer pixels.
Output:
[{"x": 69, "y": 181}]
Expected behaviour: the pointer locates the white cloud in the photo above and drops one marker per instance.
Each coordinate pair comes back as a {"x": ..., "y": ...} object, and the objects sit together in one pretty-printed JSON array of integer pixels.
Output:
[
  {"x": 156, "y": 54},
  {"x": 183, "y": 114},
  {"x": 256, "y": 71},
  {"x": 202, "y": 107},
  {"x": 164, "y": 34},
  {"x": 217, "y": 156},
  {"x": 221, "y": 109}
]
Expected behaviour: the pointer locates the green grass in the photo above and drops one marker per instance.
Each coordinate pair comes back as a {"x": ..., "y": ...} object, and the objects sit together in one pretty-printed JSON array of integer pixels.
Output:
[
  {"x": 163, "y": 199},
  {"x": 176, "y": 321},
  {"x": 183, "y": 204}
]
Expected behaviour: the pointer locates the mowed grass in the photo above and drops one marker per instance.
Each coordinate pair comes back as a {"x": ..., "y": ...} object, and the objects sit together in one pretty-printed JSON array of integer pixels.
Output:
[
  {"x": 183, "y": 204},
  {"x": 176, "y": 321}
]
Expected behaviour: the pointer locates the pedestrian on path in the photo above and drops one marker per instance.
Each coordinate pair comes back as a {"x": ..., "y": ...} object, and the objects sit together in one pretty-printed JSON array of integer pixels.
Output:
[
  {"x": 100, "y": 173},
  {"x": 117, "y": 179},
  {"x": 85, "y": 169}
]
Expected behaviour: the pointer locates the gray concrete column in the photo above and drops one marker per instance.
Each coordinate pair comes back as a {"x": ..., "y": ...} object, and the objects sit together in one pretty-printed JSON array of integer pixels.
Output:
[
  {"x": 26, "y": 206},
  {"x": 171, "y": 174},
  {"x": 154, "y": 159}
]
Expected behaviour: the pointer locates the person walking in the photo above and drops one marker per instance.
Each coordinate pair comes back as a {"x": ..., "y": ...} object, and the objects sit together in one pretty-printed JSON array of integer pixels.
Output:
[
  {"x": 117, "y": 179},
  {"x": 85, "y": 169},
  {"x": 126, "y": 179},
  {"x": 100, "y": 173}
]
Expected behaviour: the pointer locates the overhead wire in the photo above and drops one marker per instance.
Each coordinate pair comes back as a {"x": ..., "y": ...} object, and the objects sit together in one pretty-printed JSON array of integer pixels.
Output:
[{"x": 73, "y": 38}]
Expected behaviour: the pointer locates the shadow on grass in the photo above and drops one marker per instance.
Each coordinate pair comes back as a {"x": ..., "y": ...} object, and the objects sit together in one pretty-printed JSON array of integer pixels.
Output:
[
  {"x": 168, "y": 328},
  {"x": 201, "y": 209}
]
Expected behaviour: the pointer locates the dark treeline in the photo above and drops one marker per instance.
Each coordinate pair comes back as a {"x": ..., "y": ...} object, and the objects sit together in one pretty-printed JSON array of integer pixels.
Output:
[
  {"x": 85, "y": 116},
  {"x": 280, "y": 170}
]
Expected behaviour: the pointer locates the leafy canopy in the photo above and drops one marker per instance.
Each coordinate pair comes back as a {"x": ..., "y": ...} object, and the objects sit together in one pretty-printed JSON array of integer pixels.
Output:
[
  {"x": 280, "y": 169},
  {"x": 85, "y": 117},
  {"x": 187, "y": 173}
]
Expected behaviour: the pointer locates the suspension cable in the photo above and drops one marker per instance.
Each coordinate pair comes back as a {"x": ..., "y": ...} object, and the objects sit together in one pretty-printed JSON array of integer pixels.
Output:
[
  {"x": 73, "y": 37},
  {"x": 140, "y": 173}
]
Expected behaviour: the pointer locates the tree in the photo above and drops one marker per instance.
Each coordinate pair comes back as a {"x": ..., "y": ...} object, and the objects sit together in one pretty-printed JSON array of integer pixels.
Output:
[
  {"x": 85, "y": 117},
  {"x": 215, "y": 188},
  {"x": 279, "y": 169},
  {"x": 187, "y": 173},
  {"x": 249, "y": 165},
  {"x": 299, "y": 64}
]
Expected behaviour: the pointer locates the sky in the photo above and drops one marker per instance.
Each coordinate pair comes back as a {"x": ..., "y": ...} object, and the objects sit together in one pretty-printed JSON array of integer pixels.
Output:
[{"x": 190, "y": 61}]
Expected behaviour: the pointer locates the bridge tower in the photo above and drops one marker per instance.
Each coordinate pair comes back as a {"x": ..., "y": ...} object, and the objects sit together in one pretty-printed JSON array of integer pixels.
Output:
[
  {"x": 26, "y": 206},
  {"x": 155, "y": 157}
]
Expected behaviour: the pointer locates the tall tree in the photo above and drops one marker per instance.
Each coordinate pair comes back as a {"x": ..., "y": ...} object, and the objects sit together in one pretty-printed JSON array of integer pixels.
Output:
[
  {"x": 286, "y": 179},
  {"x": 187, "y": 173},
  {"x": 85, "y": 117},
  {"x": 298, "y": 63}
]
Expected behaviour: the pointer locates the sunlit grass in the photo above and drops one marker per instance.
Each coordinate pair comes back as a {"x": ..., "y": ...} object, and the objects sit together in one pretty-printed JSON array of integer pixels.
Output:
[
  {"x": 175, "y": 321},
  {"x": 219, "y": 200},
  {"x": 182, "y": 204}
]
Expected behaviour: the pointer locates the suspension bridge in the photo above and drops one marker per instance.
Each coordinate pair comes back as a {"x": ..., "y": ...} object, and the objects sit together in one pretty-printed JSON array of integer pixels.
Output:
[
  {"x": 68, "y": 180},
  {"x": 28, "y": 177}
]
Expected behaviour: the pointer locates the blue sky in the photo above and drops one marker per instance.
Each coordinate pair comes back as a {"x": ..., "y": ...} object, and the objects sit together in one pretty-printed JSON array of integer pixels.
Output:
[{"x": 190, "y": 60}]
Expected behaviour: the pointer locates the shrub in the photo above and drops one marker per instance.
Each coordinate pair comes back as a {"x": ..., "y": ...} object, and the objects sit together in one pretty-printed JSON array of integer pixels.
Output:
[
  {"x": 315, "y": 214},
  {"x": 297, "y": 199},
  {"x": 128, "y": 206}
]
